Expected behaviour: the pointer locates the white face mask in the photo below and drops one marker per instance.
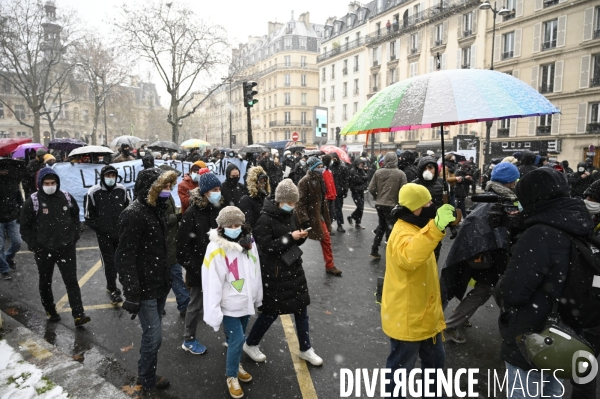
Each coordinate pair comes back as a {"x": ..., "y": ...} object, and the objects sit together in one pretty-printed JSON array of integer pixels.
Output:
[
  {"x": 581, "y": 169},
  {"x": 142, "y": 153},
  {"x": 110, "y": 181},
  {"x": 49, "y": 189},
  {"x": 427, "y": 175},
  {"x": 592, "y": 207}
]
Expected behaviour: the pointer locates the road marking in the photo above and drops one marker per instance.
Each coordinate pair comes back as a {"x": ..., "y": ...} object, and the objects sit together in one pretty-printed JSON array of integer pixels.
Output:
[
  {"x": 307, "y": 387},
  {"x": 36, "y": 350},
  {"x": 77, "y": 249},
  {"x": 63, "y": 301},
  {"x": 102, "y": 306}
]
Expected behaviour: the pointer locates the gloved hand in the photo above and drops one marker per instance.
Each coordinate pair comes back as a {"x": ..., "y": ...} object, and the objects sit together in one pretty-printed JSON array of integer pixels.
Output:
[
  {"x": 132, "y": 307},
  {"x": 444, "y": 216}
]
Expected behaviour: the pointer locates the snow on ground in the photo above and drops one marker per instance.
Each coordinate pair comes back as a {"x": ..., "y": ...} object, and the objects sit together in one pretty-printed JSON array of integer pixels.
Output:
[{"x": 21, "y": 380}]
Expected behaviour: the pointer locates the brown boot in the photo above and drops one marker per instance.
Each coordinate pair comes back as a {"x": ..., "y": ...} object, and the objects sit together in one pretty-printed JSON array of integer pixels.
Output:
[{"x": 334, "y": 271}]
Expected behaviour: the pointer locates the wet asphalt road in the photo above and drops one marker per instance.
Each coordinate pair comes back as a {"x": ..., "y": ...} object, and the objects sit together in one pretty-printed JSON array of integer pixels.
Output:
[{"x": 344, "y": 321}]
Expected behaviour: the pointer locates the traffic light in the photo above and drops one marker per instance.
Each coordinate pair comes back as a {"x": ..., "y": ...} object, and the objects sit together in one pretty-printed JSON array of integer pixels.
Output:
[{"x": 249, "y": 94}]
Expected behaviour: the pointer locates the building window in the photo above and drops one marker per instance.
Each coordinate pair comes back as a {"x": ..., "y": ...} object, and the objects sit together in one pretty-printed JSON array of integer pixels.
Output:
[
  {"x": 508, "y": 46},
  {"x": 414, "y": 43},
  {"x": 392, "y": 73},
  {"x": 594, "y": 123},
  {"x": 595, "y": 70},
  {"x": 503, "y": 128},
  {"x": 303, "y": 118},
  {"x": 6, "y": 88},
  {"x": 1, "y": 111},
  {"x": 21, "y": 134},
  {"x": 332, "y": 71},
  {"x": 287, "y": 80},
  {"x": 345, "y": 68},
  {"x": 303, "y": 61},
  {"x": 550, "y": 3},
  {"x": 302, "y": 43},
  {"x": 375, "y": 56},
  {"x": 467, "y": 24},
  {"x": 275, "y": 100},
  {"x": 19, "y": 111},
  {"x": 287, "y": 117},
  {"x": 439, "y": 34},
  {"x": 333, "y": 92},
  {"x": 303, "y": 99},
  {"x": 375, "y": 81},
  {"x": 344, "y": 114},
  {"x": 547, "y": 83},
  {"x": 393, "y": 50},
  {"x": 355, "y": 86},
  {"x": 323, "y": 73},
  {"x": 345, "y": 89},
  {"x": 545, "y": 126},
  {"x": 466, "y": 58},
  {"x": 597, "y": 24},
  {"x": 324, "y": 96},
  {"x": 303, "y": 80},
  {"x": 356, "y": 63},
  {"x": 287, "y": 98},
  {"x": 287, "y": 43},
  {"x": 288, "y": 60},
  {"x": 355, "y": 108},
  {"x": 550, "y": 34},
  {"x": 511, "y": 6}
]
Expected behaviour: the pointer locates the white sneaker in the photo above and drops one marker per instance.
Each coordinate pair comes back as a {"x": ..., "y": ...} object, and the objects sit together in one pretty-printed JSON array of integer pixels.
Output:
[
  {"x": 311, "y": 357},
  {"x": 254, "y": 353}
]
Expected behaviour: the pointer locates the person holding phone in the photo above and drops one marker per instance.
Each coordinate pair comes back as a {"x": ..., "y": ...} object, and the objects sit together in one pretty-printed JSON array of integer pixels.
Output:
[{"x": 285, "y": 290}]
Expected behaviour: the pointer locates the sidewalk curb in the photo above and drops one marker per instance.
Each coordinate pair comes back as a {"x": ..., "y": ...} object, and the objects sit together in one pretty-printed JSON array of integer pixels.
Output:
[{"x": 78, "y": 381}]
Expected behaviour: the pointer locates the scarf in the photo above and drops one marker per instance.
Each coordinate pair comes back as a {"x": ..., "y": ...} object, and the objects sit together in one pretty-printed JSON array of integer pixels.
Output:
[{"x": 406, "y": 214}]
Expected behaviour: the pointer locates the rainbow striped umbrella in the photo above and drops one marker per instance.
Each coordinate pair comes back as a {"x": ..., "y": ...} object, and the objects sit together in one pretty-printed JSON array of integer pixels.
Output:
[{"x": 448, "y": 98}]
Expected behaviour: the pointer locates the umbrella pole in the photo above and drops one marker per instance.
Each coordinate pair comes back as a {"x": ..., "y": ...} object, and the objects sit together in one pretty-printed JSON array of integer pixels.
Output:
[{"x": 444, "y": 165}]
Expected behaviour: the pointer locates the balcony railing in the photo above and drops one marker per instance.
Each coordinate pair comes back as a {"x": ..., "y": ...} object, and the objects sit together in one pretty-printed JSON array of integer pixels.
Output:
[
  {"x": 414, "y": 50},
  {"x": 547, "y": 88},
  {"x": 341, "y": 49},
  {"x": 375, "y": 63},
  {"x": 392, "y": 57},
  {"x": 550, "y": 3},
  {"x": 549, "y": 45},
  {"x": 595, "y": 81},
  {"x": 375, "y": 89},
  {"x": 593, "y": 128},
  {"x": 503, "y": 132},
  {"x": 438, "y": 42},
  {"x": 507, "y": 54},
  {"x": 465, "y": 66},
  {"x": 289, "y": 123},
  {"x": 290, "y": 65},
  {"x": 510, "y": 16},
  {"x": 544, "y": 130},
  {"x": 467, "y": 32},
  {"x": 597, "y": 34}
]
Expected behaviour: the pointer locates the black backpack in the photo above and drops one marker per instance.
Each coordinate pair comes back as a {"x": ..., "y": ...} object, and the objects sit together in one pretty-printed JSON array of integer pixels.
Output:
[{"x": 580, "y": 301}]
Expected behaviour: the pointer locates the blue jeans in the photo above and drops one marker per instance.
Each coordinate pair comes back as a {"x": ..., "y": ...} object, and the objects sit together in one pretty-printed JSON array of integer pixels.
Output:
[
  {"x": 11, "y": 229},
  {"x": 150, "y": 316},
  {"x": 403, "y": 355},
  {"x": 264, "y": 321},
  {"x": 235, "y": 328},
  {"x": 531, "y": 384},
  {"x": 182, "y": 295}
]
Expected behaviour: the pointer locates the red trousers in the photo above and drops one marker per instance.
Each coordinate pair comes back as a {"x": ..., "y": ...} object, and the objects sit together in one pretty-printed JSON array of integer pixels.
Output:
[{"x": 326, "y": 246}]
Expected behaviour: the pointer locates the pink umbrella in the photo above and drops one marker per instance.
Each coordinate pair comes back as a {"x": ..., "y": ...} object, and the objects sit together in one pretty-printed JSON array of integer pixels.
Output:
[
  {"x": 328, "y": 149},
  {"x": 19, "y": 152}
]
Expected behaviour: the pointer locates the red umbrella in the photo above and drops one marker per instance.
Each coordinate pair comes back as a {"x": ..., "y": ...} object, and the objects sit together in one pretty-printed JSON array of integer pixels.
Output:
[
  {"x": 9, "y": 145},
  {"x": 328, "y": 149}
]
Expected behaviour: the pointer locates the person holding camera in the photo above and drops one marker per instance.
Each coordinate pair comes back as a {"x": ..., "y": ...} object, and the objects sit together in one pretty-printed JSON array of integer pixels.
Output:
[
  {"x": 480, "y": 252},
  {"x": 285, "y": 290},
  {"x": 580, "y": 180},
  {"x": 536, "y": 273},
  {"x": 411, "y": 305}
]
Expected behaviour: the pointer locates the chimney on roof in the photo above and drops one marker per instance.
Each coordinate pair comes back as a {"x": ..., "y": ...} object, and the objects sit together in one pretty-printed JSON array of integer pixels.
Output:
[
  {"x": 305, "y": 17},
  {"x": 274, "y": 27}
]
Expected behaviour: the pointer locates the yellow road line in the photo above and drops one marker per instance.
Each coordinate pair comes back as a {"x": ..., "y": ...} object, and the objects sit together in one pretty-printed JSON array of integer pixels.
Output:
[
  {"x": 101, "y": 306},
  {"x": 77, "y": 249},
  {"x": 63, "y": 301},
  {"x": 36, "y": 350},
  {"x": 307, "y": 388}
]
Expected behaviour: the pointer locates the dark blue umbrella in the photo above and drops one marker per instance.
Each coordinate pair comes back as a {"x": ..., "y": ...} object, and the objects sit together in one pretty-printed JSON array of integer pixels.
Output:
[{"x": 65, "y": 144}]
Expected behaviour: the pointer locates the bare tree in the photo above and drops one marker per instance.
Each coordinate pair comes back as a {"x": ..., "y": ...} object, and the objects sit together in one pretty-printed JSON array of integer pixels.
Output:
[
  {"x": 102, "y": 69},
  {"x": 34, "y": 43},
  {"x": 63, "y": 93},
  {"x": 185, "y": 51}
]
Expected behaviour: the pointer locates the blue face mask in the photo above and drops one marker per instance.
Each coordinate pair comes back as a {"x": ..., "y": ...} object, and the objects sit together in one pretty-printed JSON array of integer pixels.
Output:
[
  {"x": 214, "y": 197},
  {"x": 110, "y": 181},
  {"x": 195, "y": 177},
  {"x": 287, "y": 208},
  {"x": 318, "y": 170},
  {"x": 233, "y": 233}
]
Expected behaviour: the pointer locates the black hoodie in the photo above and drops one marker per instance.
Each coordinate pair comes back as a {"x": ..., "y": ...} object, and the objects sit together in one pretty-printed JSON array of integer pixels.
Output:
[
  {"x": 103, "y": 205},
  {"x": 527, "y": 163},
  {"x": 56, "y": 224},
  {"x": 231, "y": 190},
  {"x": 435, "y": 186},
  {"x": 579, "y": 184}
]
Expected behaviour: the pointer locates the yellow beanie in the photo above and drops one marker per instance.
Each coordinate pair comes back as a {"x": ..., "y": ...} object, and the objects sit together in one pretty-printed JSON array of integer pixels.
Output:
[
  {"x": 49, "y": 157},
  {"x": 413, "y": 196}
]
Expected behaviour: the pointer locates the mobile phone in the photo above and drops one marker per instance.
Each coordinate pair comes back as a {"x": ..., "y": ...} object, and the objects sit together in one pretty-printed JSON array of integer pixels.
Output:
[{"x": 310, "y": 228}]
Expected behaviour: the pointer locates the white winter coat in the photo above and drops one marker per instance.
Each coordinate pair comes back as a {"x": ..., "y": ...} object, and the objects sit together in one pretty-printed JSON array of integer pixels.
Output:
[{"x": 225, "y": 293}]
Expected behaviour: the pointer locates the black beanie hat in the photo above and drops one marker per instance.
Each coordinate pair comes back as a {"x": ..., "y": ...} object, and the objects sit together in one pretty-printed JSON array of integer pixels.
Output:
[
  {"x": 541, "y": 184},
  {"x": 593, "y": 191}
]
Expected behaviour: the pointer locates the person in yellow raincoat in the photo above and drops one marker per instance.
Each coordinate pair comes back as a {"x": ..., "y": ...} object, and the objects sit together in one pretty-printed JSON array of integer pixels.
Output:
[{"x": 411, "y": 311}]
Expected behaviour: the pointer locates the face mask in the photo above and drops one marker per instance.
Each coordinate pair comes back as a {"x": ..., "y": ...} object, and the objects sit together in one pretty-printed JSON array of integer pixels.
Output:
[
  {"x": 195, "y": 177},
  {"x": 318, "y": 170},
  {"x": 49, "y": 189},
  {"x": 302, "y": 163},
  {"x": 427, "y": 175},
  {"x": 234, "y": 180},
  {"x": 288, "y": 156},
  {"x": 287, "y": 208},
  {"x": 581, "y": 170},
  {"x": 142, "y": 153},
  {"x": 110, "y": 181},
  {"x": 214, "y": 198},
  {"x": 233, "y": 233},
  {"x": 231, "y": 155},
  {"x": 592, "y": 207},
  {"x": 163, "y": 196}
]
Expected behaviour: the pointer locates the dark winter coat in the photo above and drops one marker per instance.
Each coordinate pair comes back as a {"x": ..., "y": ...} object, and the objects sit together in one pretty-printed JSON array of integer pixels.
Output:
[
  {"x": 141, "y": 256},
  {"x": 192, "y": 237},
  {"x": 299, "y": 172},
  {"x": 272, "y": 170},
  {"x": 231, "y": 191},
  {"x": 56, "y": 223},
  {"x": 103, "y": 205},
  {"x": 577, "y": 183},
  {"x": 172, "y": 227},
  {"x": 435, "y": 186},
  {"x": 358, "y": 179},
  {"x": 291, "y": 163},
  {"x": 340, "y": 176},
  {"x": 29, "y": 182},
  {"x": 285, "y": 289},
  {"x": 311, "y": 207},
  {"x": 461, "y": 189},
  {"x": 537, "y": 270},
  {"x": 11, "y": 199},
  {"x": 527, "y": 163},
  {"x": 252, "y": 203}
]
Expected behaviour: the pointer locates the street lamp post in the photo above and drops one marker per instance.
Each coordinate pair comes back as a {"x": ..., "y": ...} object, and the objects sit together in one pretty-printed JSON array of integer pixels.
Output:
[
  {"x": 230, "y": 81},
  {"x": 502, "y": 11}
]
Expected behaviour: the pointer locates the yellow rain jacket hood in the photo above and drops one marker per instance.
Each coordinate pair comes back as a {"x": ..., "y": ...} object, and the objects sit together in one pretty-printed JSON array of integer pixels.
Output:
[{"x": 411, "y": 306}]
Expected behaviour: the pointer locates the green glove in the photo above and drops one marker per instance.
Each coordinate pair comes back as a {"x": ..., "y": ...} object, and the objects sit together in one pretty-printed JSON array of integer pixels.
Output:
[{"x": 444, "y": 216}]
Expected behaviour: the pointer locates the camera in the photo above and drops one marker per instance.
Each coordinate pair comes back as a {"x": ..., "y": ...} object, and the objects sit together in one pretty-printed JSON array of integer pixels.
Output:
[{"x": 504, "y": 213}]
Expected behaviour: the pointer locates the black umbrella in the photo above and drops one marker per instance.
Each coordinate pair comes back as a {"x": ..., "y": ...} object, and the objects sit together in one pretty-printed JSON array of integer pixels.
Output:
[
  {"x": 12, "y": 168},
  {"x": 164, "y": 145},
  {"x": 255, "y": 148},
  {"x": 67, "y": 145}
]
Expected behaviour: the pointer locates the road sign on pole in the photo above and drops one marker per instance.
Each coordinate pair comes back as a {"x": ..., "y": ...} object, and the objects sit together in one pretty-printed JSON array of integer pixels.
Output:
[{"x": 295, "y": 136}]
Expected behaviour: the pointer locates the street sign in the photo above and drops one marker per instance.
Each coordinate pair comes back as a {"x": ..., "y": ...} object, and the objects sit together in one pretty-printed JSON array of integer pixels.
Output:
[{"x": 295, "y": 136}]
